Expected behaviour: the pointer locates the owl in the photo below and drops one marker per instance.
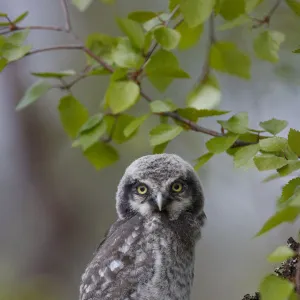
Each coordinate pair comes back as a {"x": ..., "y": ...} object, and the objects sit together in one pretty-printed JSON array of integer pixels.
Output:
[{"x": 149, "y": 252}]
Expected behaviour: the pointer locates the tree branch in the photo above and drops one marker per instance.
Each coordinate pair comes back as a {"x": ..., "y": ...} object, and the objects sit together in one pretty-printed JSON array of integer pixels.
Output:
[
  {"x": 289, "y": 269},
  {"x": 18, "y": 28},
  {"x": 59, "y": 47},
  {"x": 68, "y": 28}
]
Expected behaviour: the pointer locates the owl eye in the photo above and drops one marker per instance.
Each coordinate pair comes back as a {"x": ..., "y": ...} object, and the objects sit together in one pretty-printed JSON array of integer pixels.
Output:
[
  {"x": 142, "y": 189},
  {"x": 177, "y": 187}
]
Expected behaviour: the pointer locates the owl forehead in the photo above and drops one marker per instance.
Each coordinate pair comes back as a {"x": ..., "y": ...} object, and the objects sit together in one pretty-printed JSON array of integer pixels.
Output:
[{"x": 158, "y": 169}]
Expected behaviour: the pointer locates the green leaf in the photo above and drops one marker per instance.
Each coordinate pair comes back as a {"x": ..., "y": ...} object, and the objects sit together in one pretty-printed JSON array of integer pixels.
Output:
[
  {"x": 72, "y": 114},
  {"x": 162, "y": 68},
  {"x": 159, "y": 106},
  {"x": 294, "y": 141},
  {"x": 134, "y": 125},
  {"x": 189, "y": 36},
  {"x": 244, "y": 155},
  {"x": 3, "y": 14},
  {"x": 206, "y": 95},
  {"x": 37, "y": 90},
  {"x": 271, "y": 177},
  {"x": 241, "y": 20},
  {"x": 134, "y": 31},
  {"x": 252, "y": 4},
  {"x": 232, "y": 9},
  {"x": 269, "y": 162},
  {"x": 196, "y": 12},
  {"x": 121, "y": 95},
  {"x": 142, "y": 16},
  {"x": 160, "y": 148},
  {"x": 119, "y": 74},
  {"x": 89, "y": 137},
  {"x": 18, "y": 38},
  {"x": 101, "y": 45},
  {"x": 173, "y": 5},
  {"x": 3, "y": 63},
  {"x": 20, "y": 17},
  {"x": 125, "y": 56},
  {"x": 295, "y": 199},
  {"x": 108, "y": 1},
  {"x": 60, "y": 74},
  {"x": 266, "y": 45},
  {"x": 91, "y": 123},
  {"x": 273, "y": 287},
  {"x": 288, "y": 190},
  {"x": 294, "y": 6},
  {"x": 119, "y": 133},
  {"x": 194, "y": 114},
  {"x": 220, "y": 144},
  {"x": 273, "y": 144},
  {"x": 274, "y": 126},
  {"x": 289, "y": 168},
  {"x": 164, "y": 133},
  {"x": 157, "y": 21},
  {"x": 288, "y": 214},
  {"x": 101, "y": 155},
  {"x": 294, "y": 296},
  {"x": 280, "y": 254},
  {"x": 237, "y": 123},
  {"x": 168, "y": 38},
  {"x": 202, "y": 160},
  {"x": 13, "y": 52},
  {"x": 226, "y": 57},
  {"x": 82, "y": 5}
]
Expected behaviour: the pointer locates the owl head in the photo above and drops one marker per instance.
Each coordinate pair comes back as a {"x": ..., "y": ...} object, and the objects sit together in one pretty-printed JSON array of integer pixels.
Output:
[{"x": 159, "y": 184}]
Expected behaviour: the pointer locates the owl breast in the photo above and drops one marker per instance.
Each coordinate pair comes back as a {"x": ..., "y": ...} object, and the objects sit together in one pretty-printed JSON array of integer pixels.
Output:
[
  {"x": 173, "y": 262},
  {"x": 144, "y": 259}
]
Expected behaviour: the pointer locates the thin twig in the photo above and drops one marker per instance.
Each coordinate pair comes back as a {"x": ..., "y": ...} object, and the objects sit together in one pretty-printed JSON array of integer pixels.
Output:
[
  {"x": 18, "y": 28},
  {"x": 268, "y": 16},
  {"x": 155, "y": 45},
  {"x": 212, "y": 40},
  {"x": 64, "y": 5},
  {"x": 59, "y": 47},
  {"x": 98, "y": 59}
]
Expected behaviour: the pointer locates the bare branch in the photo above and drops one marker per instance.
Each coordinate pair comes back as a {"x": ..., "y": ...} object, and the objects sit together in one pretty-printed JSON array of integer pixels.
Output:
[
  {"x": 18, "y": 28},
  {"x": 68, "y": 27},
  {"x": 289, "y": 269},
  {"x": 59, "y": 47}
]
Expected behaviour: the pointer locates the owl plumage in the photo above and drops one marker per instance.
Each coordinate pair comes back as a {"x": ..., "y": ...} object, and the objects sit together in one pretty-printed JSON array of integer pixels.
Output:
[{"x": 148, "y": 253}]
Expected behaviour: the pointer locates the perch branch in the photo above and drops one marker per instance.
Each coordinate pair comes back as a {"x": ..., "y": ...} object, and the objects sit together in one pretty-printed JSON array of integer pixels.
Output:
[{"x": 289, "y": 269}]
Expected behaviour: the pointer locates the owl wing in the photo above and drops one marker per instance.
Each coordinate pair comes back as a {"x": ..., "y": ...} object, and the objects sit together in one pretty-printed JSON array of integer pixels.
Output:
[{"x": 120, "y": 264}]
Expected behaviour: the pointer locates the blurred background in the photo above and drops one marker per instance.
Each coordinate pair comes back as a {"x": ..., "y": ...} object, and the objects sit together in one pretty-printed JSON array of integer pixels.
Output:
[{"x": 55, "y": 207}]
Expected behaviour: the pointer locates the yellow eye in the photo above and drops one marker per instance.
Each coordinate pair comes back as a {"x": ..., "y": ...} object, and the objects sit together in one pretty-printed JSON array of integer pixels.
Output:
[
  {"x": 177, "y": 187},
  {"x": 142, "y": 189}
]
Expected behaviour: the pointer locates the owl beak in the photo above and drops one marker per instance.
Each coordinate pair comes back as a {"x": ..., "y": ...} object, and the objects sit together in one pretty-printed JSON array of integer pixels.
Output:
[{"x": 159, "y": 201}]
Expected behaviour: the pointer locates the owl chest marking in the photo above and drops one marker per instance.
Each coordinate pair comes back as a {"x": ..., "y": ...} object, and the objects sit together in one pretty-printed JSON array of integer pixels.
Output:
[{"x": 172, "y": 272}]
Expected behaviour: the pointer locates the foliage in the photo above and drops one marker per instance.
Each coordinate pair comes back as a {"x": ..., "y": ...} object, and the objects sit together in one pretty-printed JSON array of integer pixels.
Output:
[{"x": 147, "y": 49}]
